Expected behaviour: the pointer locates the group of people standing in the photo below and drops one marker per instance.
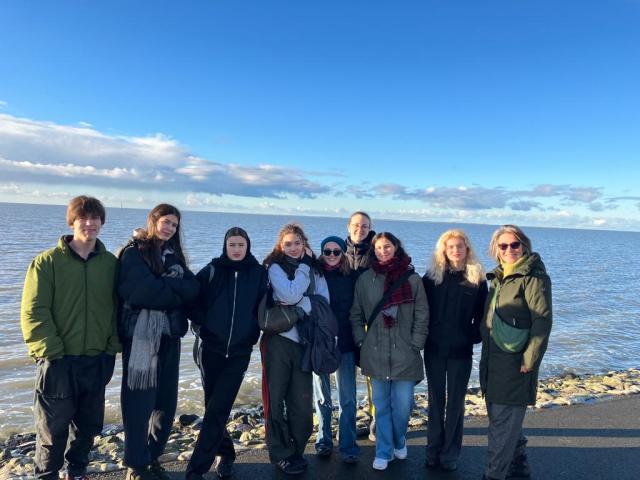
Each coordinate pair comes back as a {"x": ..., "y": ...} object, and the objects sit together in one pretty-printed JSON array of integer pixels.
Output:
[{"x": 81, "y": 305}]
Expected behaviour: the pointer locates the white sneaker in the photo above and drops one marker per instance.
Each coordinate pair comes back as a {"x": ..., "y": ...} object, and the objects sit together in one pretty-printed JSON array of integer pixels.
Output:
[
  {"x": 402, "y": 453},
  {"x": 380, "y": 463}
]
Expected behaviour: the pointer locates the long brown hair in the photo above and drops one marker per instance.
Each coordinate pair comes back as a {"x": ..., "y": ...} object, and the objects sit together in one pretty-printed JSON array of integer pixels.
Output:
[{"x": 150, "y": 246}]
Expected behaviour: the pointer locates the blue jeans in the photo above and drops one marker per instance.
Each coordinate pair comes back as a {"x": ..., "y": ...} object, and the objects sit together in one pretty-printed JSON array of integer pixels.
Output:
[
  {"x": 393, "y": 400},
  {"x": 346, "y": 382}
]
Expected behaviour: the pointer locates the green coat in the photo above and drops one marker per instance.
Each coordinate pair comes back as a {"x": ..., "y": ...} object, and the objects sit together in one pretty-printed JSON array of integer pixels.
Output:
[
  {"x": 525, "y": 297},
  {"x": 69, "y": 304},
  {"x": 390, "y": 353}
]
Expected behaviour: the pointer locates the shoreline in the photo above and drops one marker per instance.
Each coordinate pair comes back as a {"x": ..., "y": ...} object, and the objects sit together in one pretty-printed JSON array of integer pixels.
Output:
[{"x": 246, "y": 424}]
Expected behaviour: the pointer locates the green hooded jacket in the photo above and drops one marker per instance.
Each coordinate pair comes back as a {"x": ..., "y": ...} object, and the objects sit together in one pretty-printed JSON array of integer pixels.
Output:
[
  {"x": 69, "y": 304},
  {"x": 524, "y": 298},
  {"x": 390, "y": 353}
]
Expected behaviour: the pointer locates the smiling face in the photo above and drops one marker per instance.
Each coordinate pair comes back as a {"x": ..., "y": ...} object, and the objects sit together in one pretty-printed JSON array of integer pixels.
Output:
[
  {"x": 359, "y": 227},
  {"x": 456, "y": 251},
  {"x": 331, "y": 259},
  {"x": 384, "y": 250},
  {"x": 86, "y": 229},
  {"x": 236, "y": 248},
  {"x": 292, "y": 245},
  {"x": 166, "y": 227},
  {"x": 506, "y": 250}
]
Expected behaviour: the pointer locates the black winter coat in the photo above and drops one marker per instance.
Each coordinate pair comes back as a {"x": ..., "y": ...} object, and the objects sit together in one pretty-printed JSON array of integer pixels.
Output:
[
  {"x": 341, "y": 294},
  {"x": 226, "y": 309},
  {"x": 456, "y": 309},
  {"x": 139, "y": 287}
]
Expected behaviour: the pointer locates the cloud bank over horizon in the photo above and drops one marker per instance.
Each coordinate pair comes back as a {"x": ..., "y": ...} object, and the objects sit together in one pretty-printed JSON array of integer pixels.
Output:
[{"x": 70, "y": 156}]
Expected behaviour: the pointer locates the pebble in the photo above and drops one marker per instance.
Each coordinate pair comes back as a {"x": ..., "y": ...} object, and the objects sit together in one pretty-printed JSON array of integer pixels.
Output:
[{"x": 246, "y": 425}]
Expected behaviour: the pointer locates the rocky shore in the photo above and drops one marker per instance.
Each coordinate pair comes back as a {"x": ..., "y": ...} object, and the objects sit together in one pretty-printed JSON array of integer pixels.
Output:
[{"x": 246, "y": 425}]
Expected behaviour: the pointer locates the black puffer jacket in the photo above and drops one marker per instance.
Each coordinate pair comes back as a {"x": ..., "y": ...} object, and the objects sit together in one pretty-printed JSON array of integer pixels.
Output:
[
  {"x": 227, "y": 305},
  {"x": 456, "y": 309},
  {"x": 341, "y": 294},
  {"x": 139, "y": 287}
]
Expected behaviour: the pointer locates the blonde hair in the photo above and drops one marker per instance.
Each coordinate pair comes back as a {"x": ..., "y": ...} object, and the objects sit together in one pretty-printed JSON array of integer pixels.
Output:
[
  {"x": 517, "y": 232},
  {"x": 473, "y": 270}
]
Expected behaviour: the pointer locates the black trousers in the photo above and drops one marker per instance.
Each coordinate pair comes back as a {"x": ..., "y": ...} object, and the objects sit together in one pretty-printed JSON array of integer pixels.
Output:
[
  {"x": 289, "y": 399},
  {"x": 221, "y": 378},
  {"x": 148, "y": 414},
  {"x": 447, "y": 379},
  {"x": 69, "y": 407}
]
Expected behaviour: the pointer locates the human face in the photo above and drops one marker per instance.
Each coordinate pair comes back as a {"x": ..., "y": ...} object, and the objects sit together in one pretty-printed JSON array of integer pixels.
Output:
[
  {"x": 292, "y": 245},
  {"x": 359, "y": 227},
  {"x": 509, "y": 255},
  {"x": 332, "y": 260},
  {"x": 456, "y": 251},
  {"x": 384, "y": 250},
  {"x": 166, "y": 227},
  {"x": 86, "y": 229},
  {"x": 236, "y": 248}
]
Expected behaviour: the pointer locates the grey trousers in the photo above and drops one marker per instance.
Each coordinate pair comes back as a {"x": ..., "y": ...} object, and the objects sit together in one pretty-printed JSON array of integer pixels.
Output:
[
  {"x": 447, "y": 379},
  {"x": 505, "y": 438}
]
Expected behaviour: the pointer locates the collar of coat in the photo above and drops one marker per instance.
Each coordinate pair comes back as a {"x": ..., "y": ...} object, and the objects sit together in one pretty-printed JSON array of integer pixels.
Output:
[{"x": 532, "y": 264}]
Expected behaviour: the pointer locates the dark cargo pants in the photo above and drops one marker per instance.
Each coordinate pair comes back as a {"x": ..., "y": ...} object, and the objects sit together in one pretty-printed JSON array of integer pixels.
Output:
[
  {"x": 69, "y": 405},
  {"x": 290, "y": 398}
]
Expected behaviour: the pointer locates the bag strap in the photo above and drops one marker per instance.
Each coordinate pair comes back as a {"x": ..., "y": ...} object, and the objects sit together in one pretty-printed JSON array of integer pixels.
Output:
[{"x": 385, "y": 298}]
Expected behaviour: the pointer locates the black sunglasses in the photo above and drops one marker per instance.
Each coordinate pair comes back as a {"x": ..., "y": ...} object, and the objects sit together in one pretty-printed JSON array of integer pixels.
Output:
[
  {"x": 513, "y": 245},
  {"x": 336, "y": 252}
]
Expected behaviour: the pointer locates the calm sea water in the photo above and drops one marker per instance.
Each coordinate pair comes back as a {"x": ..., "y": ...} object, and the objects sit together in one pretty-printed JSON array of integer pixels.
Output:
[{"x": 595, "y": 275}]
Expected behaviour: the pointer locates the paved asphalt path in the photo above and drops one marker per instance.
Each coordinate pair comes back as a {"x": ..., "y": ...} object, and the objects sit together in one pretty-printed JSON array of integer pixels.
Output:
[{"x": 593, "y": 441}]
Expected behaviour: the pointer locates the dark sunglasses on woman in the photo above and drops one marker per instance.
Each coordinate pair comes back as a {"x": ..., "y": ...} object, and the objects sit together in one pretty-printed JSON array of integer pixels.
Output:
[
  {"x": 328, "y": 252},
  {"x": 513, "y": 245}
]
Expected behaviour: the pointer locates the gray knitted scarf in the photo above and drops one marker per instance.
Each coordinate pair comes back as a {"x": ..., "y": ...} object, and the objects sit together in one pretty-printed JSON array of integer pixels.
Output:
[{"x": 147, "y": 334}]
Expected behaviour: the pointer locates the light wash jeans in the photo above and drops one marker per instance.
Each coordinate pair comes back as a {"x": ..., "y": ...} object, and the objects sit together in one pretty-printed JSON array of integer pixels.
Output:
[
  {"x": 393, "y": 400},
  {"x": 346, "y": 383}
]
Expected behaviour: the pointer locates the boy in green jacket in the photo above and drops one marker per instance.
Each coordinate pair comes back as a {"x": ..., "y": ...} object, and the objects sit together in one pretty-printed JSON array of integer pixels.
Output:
[{"x": 68, "y": 320}]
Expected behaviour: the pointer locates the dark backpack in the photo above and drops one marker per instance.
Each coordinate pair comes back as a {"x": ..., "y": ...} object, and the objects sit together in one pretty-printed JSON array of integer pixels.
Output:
[{"x": 324, "y": 351}]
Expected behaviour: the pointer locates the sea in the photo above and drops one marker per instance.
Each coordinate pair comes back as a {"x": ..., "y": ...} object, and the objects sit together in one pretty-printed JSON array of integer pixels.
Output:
[{"x": 595, "y": 276}]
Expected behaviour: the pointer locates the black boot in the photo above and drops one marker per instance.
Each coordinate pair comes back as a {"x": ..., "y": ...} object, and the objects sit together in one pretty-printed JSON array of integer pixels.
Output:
[{"x": 519, "y": 468}]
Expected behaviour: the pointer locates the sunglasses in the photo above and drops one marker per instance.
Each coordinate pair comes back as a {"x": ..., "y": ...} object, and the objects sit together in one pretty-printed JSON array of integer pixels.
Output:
[
  {"x": 513, "y": 245},
  {"x": 328, "y": 252}
]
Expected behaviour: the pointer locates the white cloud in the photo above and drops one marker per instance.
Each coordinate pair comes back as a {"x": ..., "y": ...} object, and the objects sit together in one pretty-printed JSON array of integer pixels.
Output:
[{"x": 36, "y": 151}]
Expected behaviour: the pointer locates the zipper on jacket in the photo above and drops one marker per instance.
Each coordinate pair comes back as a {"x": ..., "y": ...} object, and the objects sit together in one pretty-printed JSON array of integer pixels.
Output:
[
  {"x": 86, "y": 307},
  {"x": 233, "y": 312}
]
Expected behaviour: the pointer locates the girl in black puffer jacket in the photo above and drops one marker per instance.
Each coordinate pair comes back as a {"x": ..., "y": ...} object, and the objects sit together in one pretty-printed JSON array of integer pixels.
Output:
[
  {"x": 155, "y": 286},
  {"x": 231, "y": 287}
]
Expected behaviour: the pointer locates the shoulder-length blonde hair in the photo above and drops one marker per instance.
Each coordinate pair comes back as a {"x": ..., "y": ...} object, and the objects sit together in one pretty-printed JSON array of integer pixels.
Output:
[
  {"x": 517, "y": 232},
  {"x": 473, "y": 270}
]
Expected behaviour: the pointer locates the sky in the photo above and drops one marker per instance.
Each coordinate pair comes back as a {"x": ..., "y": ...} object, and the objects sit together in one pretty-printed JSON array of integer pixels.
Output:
[{"x": 493, "y": 112}]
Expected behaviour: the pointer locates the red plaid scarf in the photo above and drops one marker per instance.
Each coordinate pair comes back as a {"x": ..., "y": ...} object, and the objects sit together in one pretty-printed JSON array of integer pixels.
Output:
[{"x": 393, "y": 269}]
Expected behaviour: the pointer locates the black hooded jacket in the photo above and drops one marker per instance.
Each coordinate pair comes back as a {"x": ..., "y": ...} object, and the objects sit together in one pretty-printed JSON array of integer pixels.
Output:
[{"x": 226, "y": 309}]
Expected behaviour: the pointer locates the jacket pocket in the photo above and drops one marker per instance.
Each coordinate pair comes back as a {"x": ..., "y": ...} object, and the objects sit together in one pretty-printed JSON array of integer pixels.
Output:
[{"x": 53, "y": 378}]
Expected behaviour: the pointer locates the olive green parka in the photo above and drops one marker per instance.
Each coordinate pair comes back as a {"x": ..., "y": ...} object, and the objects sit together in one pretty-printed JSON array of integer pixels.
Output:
[
  {"x": 390, "y": 353},
  {"x": 69, "y": 304},
  {"x": 524, "y": 299}
]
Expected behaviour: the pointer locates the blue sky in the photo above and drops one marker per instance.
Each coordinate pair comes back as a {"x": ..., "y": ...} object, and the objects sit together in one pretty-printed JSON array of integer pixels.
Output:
[{"x": 492, "y": 112}]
